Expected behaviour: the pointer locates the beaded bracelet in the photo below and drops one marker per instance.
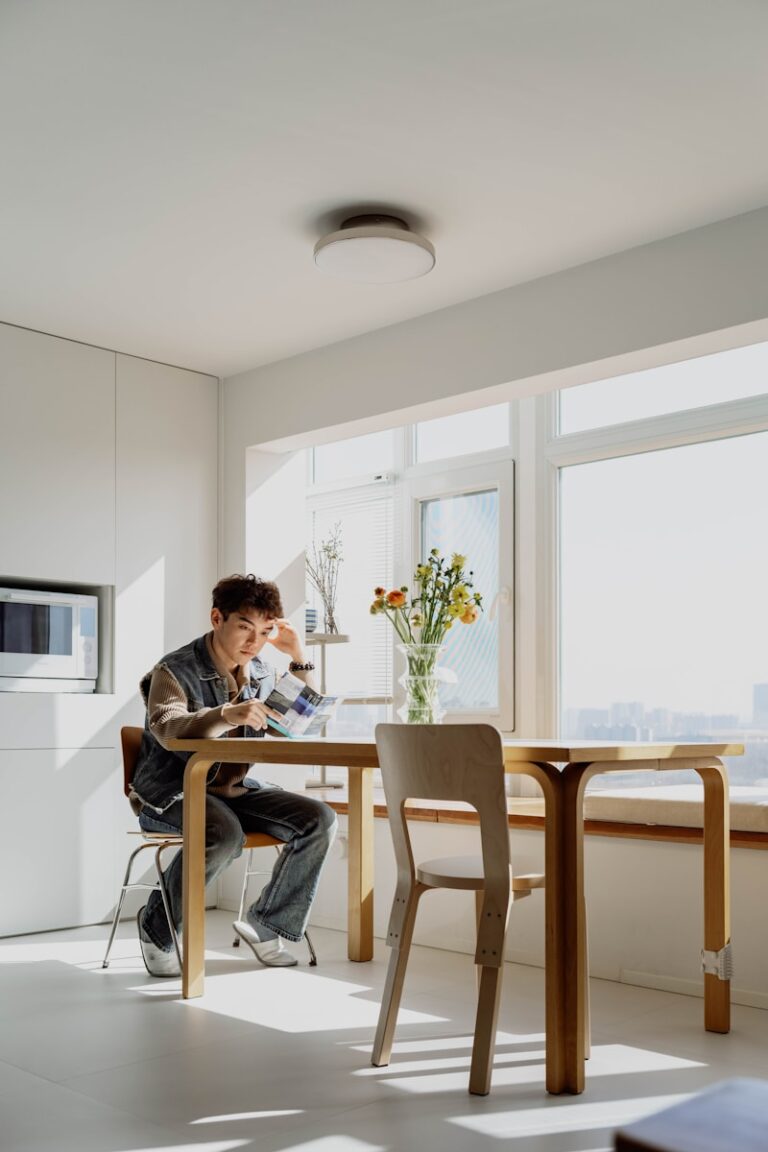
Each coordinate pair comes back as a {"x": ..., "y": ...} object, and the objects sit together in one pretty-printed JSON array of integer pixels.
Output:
[{"x": 295, "y": 666}]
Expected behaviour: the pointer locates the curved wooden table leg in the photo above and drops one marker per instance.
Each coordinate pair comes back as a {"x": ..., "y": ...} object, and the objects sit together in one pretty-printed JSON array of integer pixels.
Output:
[
  {"x": 717, "y": 918},
  {"x": 193, "y": 877},
  {"x": 556, "y": 900},
  {"x": 360, "y": 865},
  {"x": 573, "y": 924}
]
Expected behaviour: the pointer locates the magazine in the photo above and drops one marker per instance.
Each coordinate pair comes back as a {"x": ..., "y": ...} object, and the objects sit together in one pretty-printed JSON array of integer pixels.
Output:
[{"x": 303, "y": 711}]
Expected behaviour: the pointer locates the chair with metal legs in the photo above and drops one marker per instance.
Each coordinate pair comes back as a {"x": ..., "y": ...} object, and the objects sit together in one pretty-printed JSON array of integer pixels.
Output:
[{"x": 130, "y": 739}]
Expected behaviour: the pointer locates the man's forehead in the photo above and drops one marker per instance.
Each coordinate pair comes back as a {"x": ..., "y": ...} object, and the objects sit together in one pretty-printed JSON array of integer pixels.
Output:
[{"x": 258, "y": 619}]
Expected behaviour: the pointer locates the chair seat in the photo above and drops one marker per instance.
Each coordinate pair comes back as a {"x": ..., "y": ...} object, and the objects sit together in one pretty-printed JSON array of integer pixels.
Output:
[
  {"x": 260, "y": 840},
  {"x": 467, "y": 872}
]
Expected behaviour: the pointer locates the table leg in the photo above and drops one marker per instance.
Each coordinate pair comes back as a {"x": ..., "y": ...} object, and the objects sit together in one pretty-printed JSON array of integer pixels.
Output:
[
  {"x": 573, "y": 942},
  {"x": 193, "y": 877},
  {"x": 360, "y": 874},
  {"x": 556, "y": 897},
  {"x": 717, "y": 928}
]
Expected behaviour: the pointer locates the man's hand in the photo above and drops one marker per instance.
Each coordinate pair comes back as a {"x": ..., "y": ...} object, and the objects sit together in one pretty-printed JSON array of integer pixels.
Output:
[
  {"x": 287, "y": 640},
  {"x": 254, "y": 713}
]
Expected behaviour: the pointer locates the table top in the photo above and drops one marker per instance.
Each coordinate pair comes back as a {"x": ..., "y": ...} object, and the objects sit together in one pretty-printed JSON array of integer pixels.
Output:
[{"x": 361, "y": 751}]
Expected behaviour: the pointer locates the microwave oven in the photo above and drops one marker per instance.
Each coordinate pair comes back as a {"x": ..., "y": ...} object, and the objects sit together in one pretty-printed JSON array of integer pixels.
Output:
[{"x": 49, "y": 641}]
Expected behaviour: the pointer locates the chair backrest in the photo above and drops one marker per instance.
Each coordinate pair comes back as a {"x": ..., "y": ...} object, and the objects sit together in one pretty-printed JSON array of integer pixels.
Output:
[
  {"x": 449, "y": 762},
  {"x": 130, "y": 738}
]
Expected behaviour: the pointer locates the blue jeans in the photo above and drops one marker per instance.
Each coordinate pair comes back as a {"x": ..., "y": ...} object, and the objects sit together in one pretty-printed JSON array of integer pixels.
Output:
[{"x": 306, "y": 827}]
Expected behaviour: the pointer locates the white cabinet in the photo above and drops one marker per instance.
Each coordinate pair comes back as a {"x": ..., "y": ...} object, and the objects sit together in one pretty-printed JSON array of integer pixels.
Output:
[
  {"x": 57, "y": 459},
  {"x": 167, "y": 539},
  {"x": 58, "y": 847}
]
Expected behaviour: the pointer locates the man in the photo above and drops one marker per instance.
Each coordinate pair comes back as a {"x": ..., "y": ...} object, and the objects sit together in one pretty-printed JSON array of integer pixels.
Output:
[{"x": 209, "y": 687}]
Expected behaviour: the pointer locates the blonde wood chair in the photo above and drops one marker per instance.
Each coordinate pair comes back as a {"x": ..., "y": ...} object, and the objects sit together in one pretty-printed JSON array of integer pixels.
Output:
[
  {"x": 450, "y": 762},
  {"x": 130, "y": 740}
]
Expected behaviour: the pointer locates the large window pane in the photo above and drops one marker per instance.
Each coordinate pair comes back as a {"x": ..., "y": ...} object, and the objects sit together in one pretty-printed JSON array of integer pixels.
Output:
[
  {"x": 469, "y": 524},
  {"x": 714, "y": 379},
  {"x": 362, "y": 456},
  {"x": 476, "y": 431},
  {"x": 362, "y": 667},
  {"x": 664, "y": 628}
]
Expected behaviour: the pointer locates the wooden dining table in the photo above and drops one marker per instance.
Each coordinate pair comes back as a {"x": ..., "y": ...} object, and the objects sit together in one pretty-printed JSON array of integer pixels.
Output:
[{"x": 562, "y": 770}]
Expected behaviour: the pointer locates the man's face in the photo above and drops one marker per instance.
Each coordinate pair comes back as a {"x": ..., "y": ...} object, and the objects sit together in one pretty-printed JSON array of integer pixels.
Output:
[{"x": 242, "y": 635}]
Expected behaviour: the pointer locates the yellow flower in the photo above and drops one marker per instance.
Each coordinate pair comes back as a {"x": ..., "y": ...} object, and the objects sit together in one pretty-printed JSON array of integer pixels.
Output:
[
  {"x": 458, "y": 561},
  {"x": 423, "y": 571},
  {"x": 455, "y": 610},
  {"x": 417, "y": 620},
  {"x": 460, "y": 593}
]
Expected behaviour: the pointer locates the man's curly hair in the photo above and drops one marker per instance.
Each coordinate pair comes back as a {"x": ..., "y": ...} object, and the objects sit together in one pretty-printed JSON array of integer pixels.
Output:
[{"x": 236, "y": 592}]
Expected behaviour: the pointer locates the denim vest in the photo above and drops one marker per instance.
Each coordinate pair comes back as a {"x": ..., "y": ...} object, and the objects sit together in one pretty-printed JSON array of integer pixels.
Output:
[{"x": 159, "y": 777}]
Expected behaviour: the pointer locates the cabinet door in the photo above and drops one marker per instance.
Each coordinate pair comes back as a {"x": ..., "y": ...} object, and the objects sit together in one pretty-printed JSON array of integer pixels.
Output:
[
  {"x": 57, "y": 850},
  {"x": 57, "y": 459}
]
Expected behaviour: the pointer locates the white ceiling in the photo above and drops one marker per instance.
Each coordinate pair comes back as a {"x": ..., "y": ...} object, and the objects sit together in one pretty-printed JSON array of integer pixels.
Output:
[{"x": 167, "y": 165}]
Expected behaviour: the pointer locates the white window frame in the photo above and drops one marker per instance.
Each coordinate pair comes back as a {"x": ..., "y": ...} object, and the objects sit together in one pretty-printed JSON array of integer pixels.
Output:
[
  {"x": 723, "y": 421},
  {"x": 434, "y": 484}
]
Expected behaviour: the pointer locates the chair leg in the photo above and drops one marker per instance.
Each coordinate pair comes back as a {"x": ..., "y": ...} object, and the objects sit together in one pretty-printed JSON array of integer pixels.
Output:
[
  {"x": 312, "y": 953},
  {"x": 479, "y": 896},
  {"x": 393, "y": 988},
  {"x": 485, "y": 1030},
  {"x": 243, "y": 892},
  {"x": 118, "y": 910},
  {"x": 115, "y": 919},
  {"x": 166, "y": 902}
]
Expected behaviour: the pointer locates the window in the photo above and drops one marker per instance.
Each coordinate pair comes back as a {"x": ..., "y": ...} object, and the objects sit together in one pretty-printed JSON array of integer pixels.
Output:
[
  {"x": 664, "y": 629},
  {"x": 363, "y": 666},
  {"x": 360, "y": 456},
  {"x": 470, "y": 510},
  {"x": 460, "y": 435},
  {"x": 386, "y": 528},
  {"x": 469, "y": 524},
  {"x": 714, "y": 379}
]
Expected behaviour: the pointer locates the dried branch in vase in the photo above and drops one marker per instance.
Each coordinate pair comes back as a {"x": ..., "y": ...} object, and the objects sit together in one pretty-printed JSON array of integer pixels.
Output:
[{"x": 323, "y": 572}]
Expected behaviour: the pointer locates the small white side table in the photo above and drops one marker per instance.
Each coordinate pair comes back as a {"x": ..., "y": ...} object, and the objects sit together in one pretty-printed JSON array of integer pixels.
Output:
[{"x": 321, "y": 640}]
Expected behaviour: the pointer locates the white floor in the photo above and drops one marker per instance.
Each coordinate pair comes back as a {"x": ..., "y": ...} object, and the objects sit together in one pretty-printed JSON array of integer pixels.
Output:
[{"x": 99, "y": 1060}]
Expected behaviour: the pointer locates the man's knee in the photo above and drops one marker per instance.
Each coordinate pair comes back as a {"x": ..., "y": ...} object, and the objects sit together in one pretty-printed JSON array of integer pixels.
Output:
[
  {"x": 223, "y": 835},
  {"x": 327, "y": 820}
]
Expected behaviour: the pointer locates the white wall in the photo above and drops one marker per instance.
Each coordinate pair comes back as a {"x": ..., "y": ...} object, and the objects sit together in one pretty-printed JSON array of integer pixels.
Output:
[
  {"x": 694, "y": 293},
  {"x": 588, "y": 322},
  {"x": 108, "y": 475}
]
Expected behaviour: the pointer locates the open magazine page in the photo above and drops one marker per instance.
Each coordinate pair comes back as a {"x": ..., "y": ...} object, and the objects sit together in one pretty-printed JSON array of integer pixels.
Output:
[{"x": 303, "y": 711}]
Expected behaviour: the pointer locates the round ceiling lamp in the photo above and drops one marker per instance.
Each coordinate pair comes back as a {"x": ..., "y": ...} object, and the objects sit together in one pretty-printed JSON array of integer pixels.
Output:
[{"x": 374, "y": 250}]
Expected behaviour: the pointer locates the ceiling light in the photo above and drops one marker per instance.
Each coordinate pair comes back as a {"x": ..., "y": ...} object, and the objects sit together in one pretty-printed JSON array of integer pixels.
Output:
[{"x": 374, "y": 250}]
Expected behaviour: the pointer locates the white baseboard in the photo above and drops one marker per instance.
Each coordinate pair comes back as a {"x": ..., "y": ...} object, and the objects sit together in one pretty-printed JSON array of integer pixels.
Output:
[{"x": 745, "y": 996}]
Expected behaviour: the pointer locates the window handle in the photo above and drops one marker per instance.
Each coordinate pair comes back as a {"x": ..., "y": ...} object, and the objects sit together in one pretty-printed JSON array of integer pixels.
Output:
[{"x": 504, "y": 597}]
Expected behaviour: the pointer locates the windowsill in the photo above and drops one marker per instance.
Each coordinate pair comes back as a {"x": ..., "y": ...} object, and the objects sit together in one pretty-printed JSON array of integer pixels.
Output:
[{"x": 673, "y": 813}]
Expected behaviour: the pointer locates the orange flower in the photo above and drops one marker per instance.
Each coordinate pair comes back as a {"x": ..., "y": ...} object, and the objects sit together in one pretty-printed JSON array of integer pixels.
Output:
[
  {"x": 396, "y": 599},
  {"x": 469, "y": 615},
  {"x": 379, "y": 592}
]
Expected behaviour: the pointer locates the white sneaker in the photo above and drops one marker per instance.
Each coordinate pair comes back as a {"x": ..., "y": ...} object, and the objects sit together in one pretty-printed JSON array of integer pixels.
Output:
[
  {"x": 156, "y": 961},
  {"x": 272, "y": 953}
]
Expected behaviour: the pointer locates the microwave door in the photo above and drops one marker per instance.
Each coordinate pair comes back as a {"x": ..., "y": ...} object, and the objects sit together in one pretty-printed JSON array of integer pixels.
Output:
[{"x": 36, "y": 638}]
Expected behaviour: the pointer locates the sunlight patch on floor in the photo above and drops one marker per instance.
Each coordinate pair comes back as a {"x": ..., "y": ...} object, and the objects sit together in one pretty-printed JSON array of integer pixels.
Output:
[
  {"x": 443, "y": 1043},
  {"x": 607, "y": 1060},
  {"x": 565, "y": 1117},
  {"x": 235, "y": 1116},
  {"x": 292, "y": 1001}
]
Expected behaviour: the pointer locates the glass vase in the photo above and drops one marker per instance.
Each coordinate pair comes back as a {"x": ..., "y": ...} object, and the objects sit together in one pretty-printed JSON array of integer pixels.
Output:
[{"x": 421, "y": 682}]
